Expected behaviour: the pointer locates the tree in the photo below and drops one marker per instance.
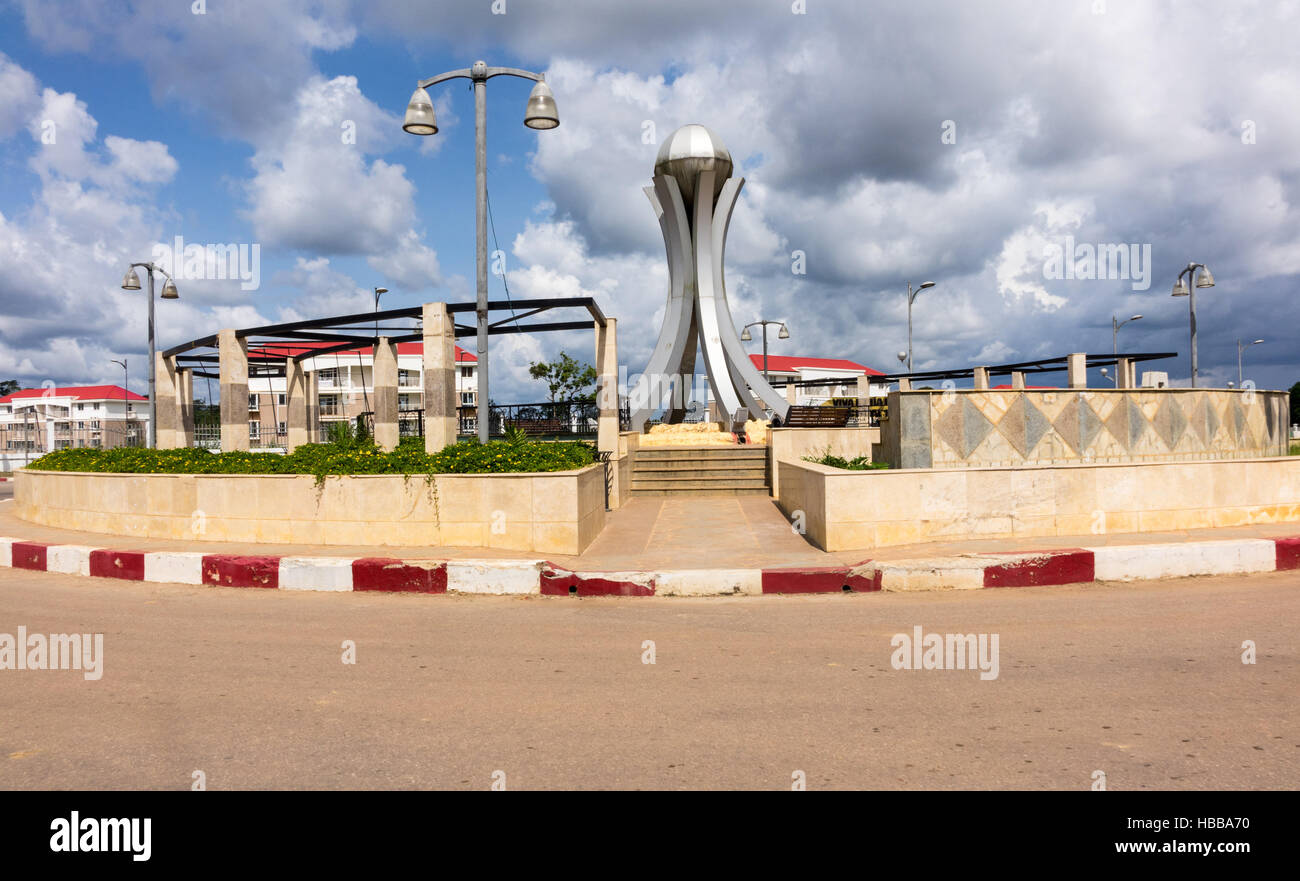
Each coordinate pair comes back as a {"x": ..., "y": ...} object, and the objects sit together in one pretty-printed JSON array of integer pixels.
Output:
[
  {"x": 9, "y": 386},
  {"x": 567, "y": 379}
]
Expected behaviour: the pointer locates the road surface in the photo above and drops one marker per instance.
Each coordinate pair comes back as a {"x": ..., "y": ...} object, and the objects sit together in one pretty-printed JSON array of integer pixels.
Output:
[{"x": 1144, "y": 683}]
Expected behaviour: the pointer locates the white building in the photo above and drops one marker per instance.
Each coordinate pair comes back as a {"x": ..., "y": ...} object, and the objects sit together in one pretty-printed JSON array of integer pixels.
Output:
[
  {"x": 840, "y": 378},
  {"x": 35, "y": 421}
]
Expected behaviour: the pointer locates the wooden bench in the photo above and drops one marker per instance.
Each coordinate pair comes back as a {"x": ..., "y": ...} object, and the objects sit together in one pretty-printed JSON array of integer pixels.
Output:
[{"x": 817, "y": 417}]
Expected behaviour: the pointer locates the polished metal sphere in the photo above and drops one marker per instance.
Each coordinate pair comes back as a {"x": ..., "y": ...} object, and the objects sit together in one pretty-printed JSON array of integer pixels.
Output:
[{"x": 690, "y": 150}]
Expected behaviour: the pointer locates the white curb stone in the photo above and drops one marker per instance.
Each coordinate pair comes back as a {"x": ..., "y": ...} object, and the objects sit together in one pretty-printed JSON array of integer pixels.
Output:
[
  {"x": 7, "y": 551},
  {"x": 495, "y": 576},
  {"x": 708, "y": 582},
  {"x": 179, "y": 567},
  {"x": 1150, "y": 561},
  {"x": 315, "y": 573},
  {"x": 68, "y": 559},
  {"x": 938, "y": 573}
]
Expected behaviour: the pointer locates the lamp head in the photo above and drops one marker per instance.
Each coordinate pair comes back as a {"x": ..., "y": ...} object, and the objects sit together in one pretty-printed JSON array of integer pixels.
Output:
[
  {"x": 131, "y": 281},
  {"x": 925, "y": 284},
  {"x": 1180, "y": 288},
  {"x": 420, "y": 119},
  {"x": 1136, "y": 317},
  {"x": 784, "y": 334},
  {"x": 381, "y": 290},
  {"x": 902, "y": 356},
  {"x": 169, "y": 291},
  {"x": 745, "y": 335},
  {"x": 541, "y": 112},
  {"x": 1206, "y": 278}
]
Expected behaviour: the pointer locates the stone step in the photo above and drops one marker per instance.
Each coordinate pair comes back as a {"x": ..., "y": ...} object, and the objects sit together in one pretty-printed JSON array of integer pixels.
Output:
[
  {"x": 702, "y": 491},
  {"x": 744, "y": 451},
  {"x": 715, "y": 474},
  {"x": 678, "y": 483},
  {"x": 695, "y": 464}
]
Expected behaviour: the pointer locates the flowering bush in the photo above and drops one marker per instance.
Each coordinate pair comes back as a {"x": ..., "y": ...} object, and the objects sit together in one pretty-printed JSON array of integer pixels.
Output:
[{"x": 322, "y": 460}]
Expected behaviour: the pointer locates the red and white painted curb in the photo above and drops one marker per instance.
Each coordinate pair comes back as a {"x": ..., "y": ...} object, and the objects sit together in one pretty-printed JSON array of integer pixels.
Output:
[{"x": 1065, "y": 566}]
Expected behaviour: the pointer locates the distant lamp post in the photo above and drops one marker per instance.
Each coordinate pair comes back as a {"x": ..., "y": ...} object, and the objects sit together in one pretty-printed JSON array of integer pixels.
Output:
[
  {"x": 1241, "y": 347},
  {"x": 131, "y": 282},
  {"x": 379, "y": 292},
  {"x": 1205, "y": 279},
  {"x": 911, "y": 298},
  {"x": 1116, "y": 324},
  {"x": 126, "y": 402},
  {"x": 746, "y": 337},
  {"x": 540, "y": 113}
]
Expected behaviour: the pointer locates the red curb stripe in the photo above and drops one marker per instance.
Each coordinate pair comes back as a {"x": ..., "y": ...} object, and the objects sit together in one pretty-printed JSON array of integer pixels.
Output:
[
  {"x": 818, "y": 579},
  {"x": 1288, "y": 553},
  {"x": 1052, "y": 567},
  {"x": 387, "y": 574},
  {"x": 562, "y": 582},
  {"x": 117, "y": 564},
  {"x": 29, "y": 555},
  {"x": 229, "y": 570}
]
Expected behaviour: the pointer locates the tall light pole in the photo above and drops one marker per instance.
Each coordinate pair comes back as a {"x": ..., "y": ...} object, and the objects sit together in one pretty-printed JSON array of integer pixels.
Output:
[
  {"x": 539, "y": 114},
  {"x": 783, "y": 335},
  {"x": 379, "y": 292},
  {"x": 1205, "y": 279},
  {"x": 131, "y": 282},
  {"x": 1240, "y": 347},
  {"x": 126, "y": 401},
  {"x": 911, "y": 298},
  {"x": 1116, "y": 324}
]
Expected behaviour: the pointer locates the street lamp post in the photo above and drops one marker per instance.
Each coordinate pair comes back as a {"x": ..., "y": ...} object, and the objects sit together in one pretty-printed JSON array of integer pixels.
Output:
[
  {"x": 126, "y": 402},
  {"x": 911, "y": 298},
  {"x": 131, "y": 282},
  {"x": 1116, "y": 324},
  {"x": 420, "y": 120},
  {"x": 1205, "y": 279},
  {"x": 783, "y": 335},
  {"x": 379, "y": 292},
  {"x": 1240, "y": 347}
]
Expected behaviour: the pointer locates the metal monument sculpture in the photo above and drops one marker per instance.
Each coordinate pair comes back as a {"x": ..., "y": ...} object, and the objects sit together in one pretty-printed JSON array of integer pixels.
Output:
[{"x": 693, "y": 196}]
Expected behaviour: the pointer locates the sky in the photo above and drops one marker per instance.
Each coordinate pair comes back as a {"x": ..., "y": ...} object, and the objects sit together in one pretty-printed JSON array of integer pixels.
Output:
[{"x": 881, "y": 144}]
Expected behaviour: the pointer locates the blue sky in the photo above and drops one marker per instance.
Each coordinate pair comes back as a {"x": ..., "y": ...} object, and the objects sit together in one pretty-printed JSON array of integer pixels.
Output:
[{"x": 1068, "y": 122}]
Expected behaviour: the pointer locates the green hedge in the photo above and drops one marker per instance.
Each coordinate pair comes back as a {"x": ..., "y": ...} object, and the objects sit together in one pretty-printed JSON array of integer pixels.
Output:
[
  {"x": 858, "y": 463},
  {"x": 322, "y": 460}
]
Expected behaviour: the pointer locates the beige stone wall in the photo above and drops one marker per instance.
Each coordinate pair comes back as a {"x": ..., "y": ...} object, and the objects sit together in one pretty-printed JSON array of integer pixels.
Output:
[
  {"x": 848, "y": 510},
  {"x": 558, "y": 512},
  {"x": 967, "y": 428},
  {"x": 792, "y": 444}
]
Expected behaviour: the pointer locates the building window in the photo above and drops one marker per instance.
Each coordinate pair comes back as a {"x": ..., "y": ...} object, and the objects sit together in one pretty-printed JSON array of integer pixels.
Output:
[
  {"x": 254, "y": 430},
  {"x": 279, "y": 399},
  {"x": 282, "y": 428},
  {"x": 467, "y": 372},
  {"x": 252, "y": 402},
  {"x": 467, "y": 399},
  {"x": 408, "y": 377}
]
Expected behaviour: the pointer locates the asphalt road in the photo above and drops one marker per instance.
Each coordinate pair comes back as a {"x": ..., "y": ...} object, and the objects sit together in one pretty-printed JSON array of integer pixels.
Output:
[{"x": 1142, "y": 682}]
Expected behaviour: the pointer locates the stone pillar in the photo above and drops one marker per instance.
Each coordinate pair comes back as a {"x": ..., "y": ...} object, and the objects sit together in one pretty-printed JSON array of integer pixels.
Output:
[
  {"x": 792, "y": 393},
  {"x": 233, "y": 353},
  {"x": 1018, "y": 379},
  {"x": 313, "y": 408},
  {"x": 1077, "y": 370},
  {"x": 981, "y": 378},
  {"x": 185, "y": 408},
  {"x": 607, "y": 385},
  {"x": 295, "y": 404},
  {"x": 165, "y": 396},
  {"x": 905, "y": 384},
  {"x": 1124, "y": 373},
  {"x": 439, "y": 371},
  {"x": 385, "y": 397}
]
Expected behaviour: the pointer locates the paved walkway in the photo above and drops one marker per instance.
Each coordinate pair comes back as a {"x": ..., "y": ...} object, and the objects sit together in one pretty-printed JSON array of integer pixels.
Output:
[{"x": 743, "y": 532}]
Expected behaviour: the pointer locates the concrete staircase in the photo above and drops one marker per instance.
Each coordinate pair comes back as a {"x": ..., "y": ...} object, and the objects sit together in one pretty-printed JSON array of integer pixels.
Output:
[{"x": 700, "y": 471}]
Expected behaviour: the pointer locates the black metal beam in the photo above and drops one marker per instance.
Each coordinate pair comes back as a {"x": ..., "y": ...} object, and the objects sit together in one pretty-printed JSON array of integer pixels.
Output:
[{"x": 530, "y": 328}]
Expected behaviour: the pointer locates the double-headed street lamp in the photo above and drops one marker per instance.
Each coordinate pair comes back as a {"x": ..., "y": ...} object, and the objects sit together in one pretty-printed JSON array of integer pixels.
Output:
[
  {"x": 1240, "y": 347},
  {"x": 783, "y": 335},
  {"x": 1116, "y": 324},
  {"x": 131, "y": 282},
  {"x": 911, "y": 298},
  {"x": 1205, "y": 279},
  {"x": 539, "y": 114}
]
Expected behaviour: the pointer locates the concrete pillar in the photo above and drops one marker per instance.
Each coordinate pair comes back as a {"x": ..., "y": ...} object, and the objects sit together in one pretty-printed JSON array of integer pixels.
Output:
[
  {"x": 1077, "y": 370},
  {"x": 981, "y": 378},
  {"x": 1017, "y": 379},
  {"x": 792, "y": 394},
  {"x": 184, "y": 408},
  {"x": 385, "y": 397},
  {"x": 440, "y": 379},
  {"x": 313, "y": 408},
  {"x": 1124, "y": 374},
  {"x": 295, "y": 404},
  {"x": 607, "y": 385},
  {"x": 165, "y": 383},
  {"x": 905, "y": 384},
  {"x": 233, "y": 353}
]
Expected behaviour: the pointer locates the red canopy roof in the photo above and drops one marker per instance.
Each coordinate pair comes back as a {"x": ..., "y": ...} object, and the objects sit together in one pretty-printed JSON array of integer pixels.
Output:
[
  {"x": 792, "y": 363},
  {"x": 80, "y": 392}
]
